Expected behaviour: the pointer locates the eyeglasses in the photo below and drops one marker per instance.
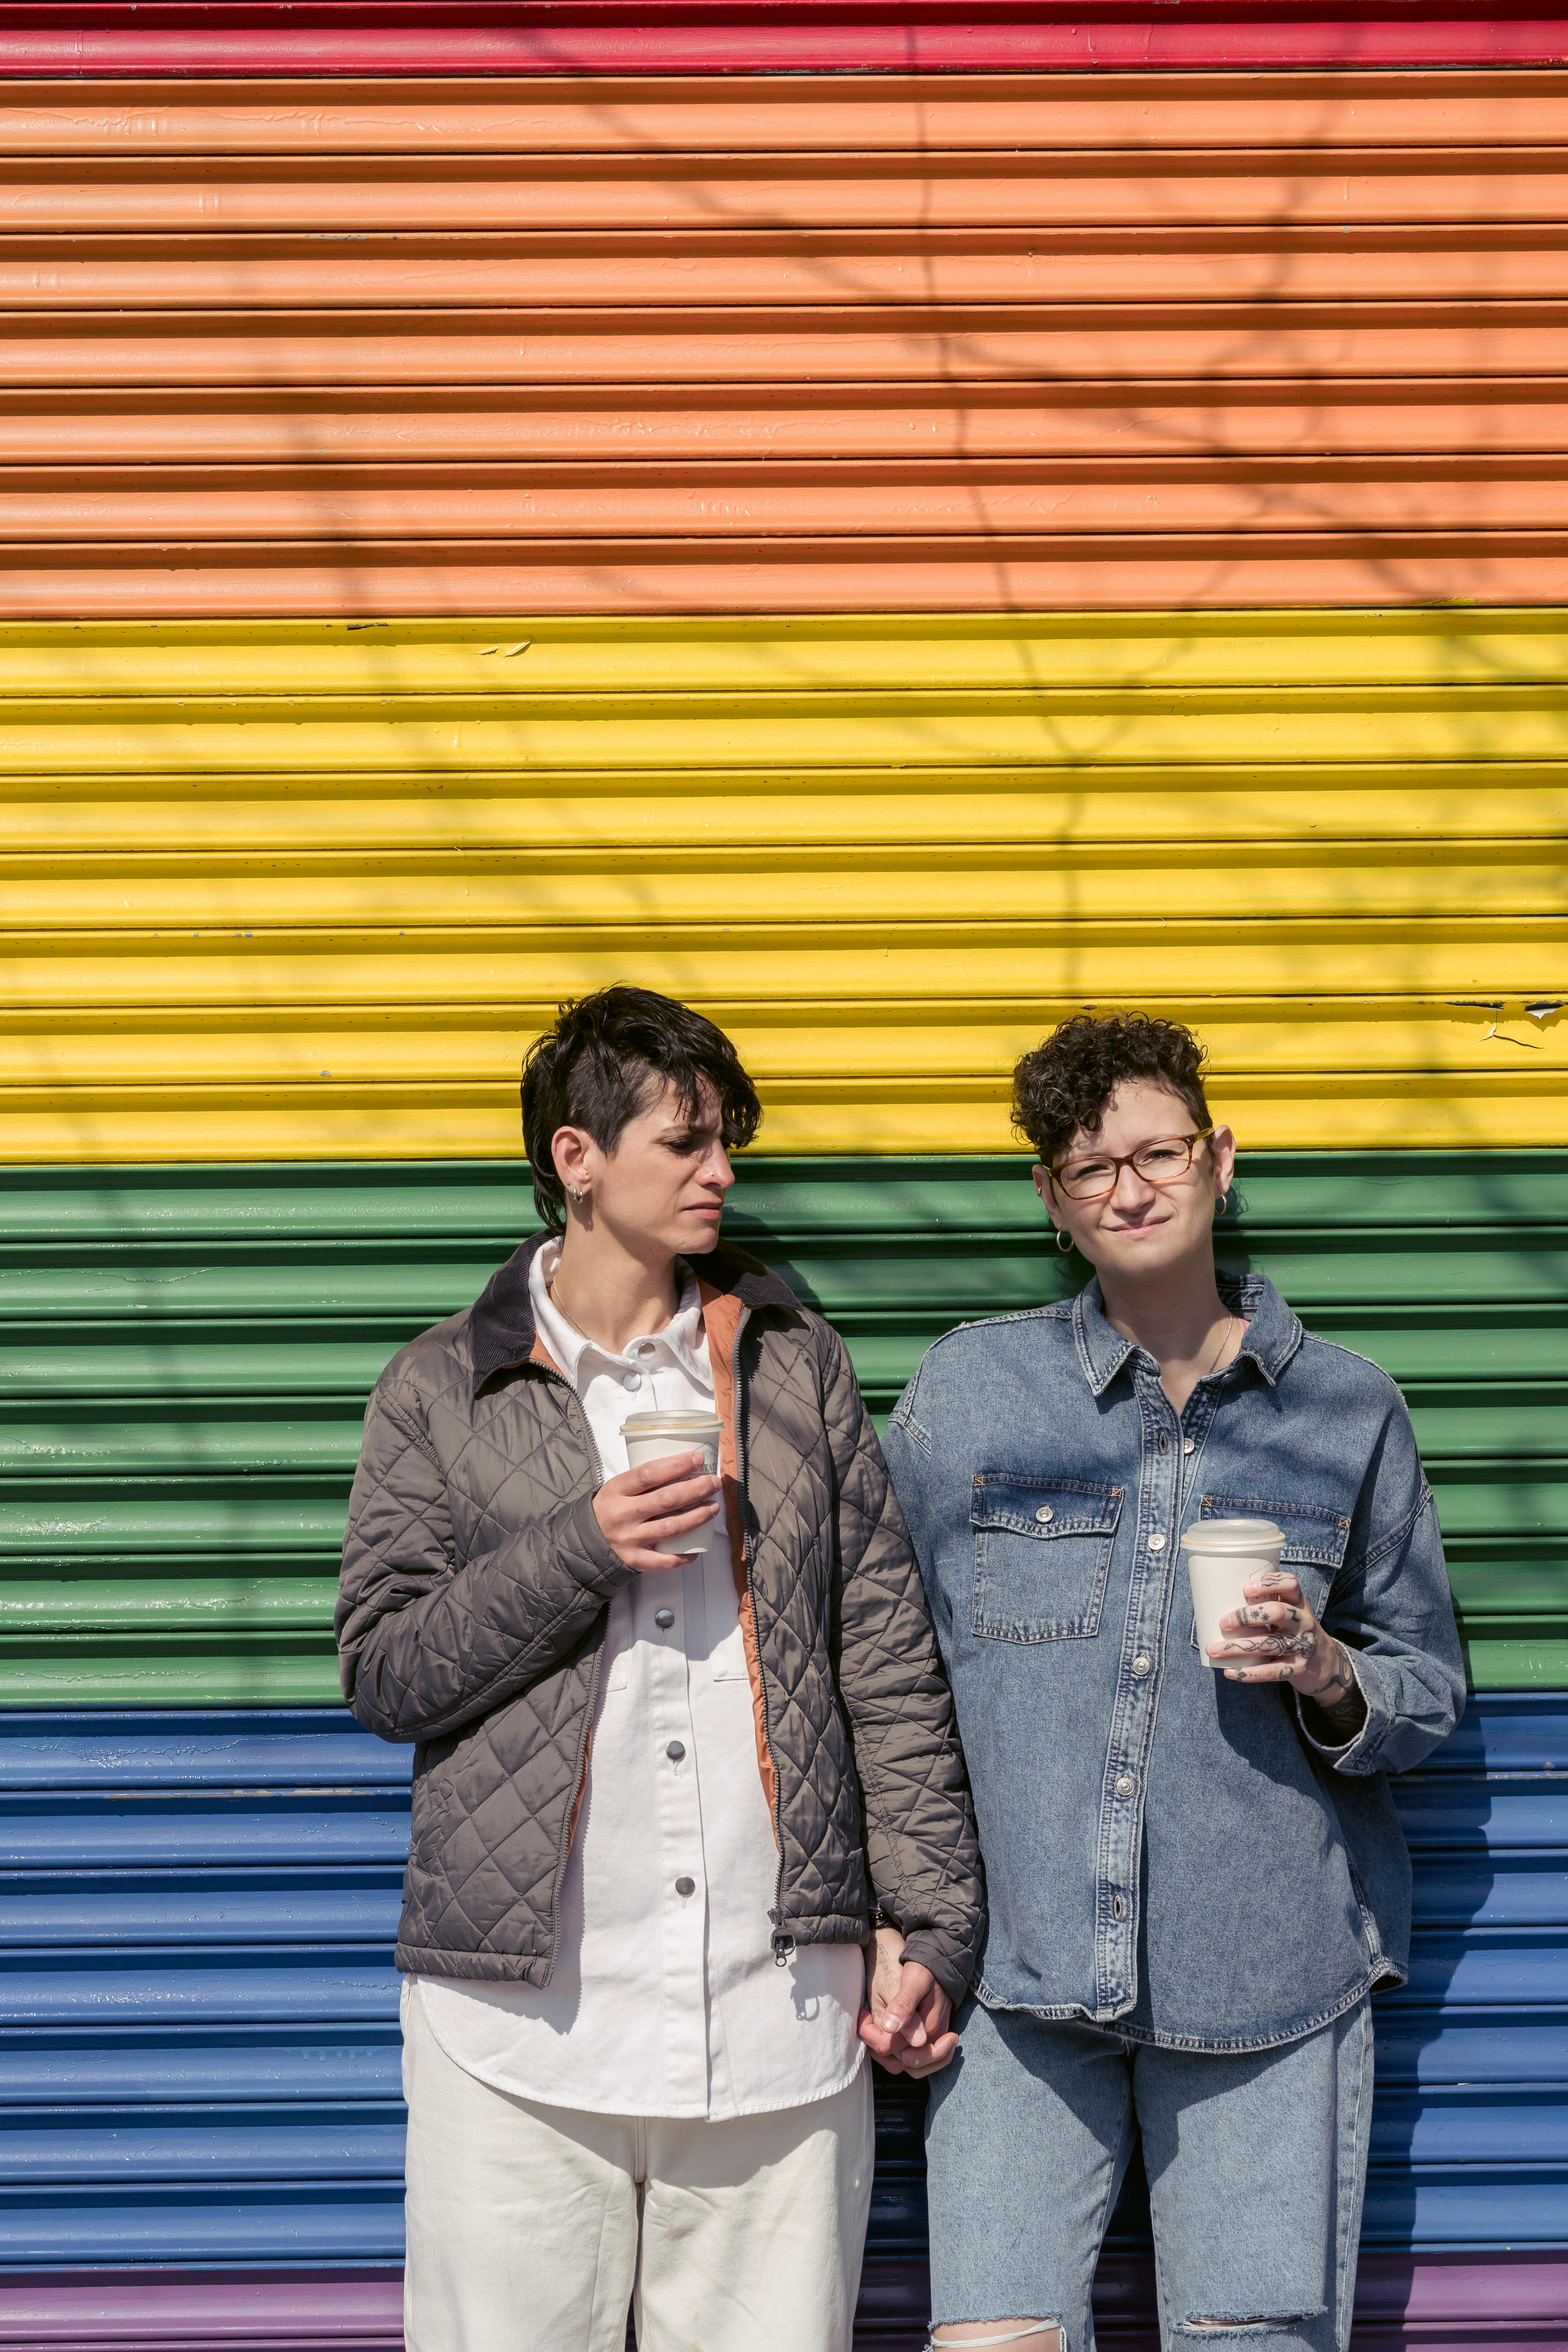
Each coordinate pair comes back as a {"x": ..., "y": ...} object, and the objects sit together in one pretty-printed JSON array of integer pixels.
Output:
[{"x": 1165, "y": 1161}]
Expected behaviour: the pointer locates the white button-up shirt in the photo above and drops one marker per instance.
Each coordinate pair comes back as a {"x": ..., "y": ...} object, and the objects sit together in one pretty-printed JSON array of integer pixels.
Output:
[{"x": 662, "y": 2003}]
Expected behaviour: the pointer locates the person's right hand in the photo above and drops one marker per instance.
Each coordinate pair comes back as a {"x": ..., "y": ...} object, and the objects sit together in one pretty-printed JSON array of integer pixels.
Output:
[{"x": 640, "y": 1507}]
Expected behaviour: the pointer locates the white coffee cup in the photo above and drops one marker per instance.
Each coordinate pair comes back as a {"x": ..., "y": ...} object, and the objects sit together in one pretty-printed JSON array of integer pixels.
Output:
[
  {"x": 1222, "y": 1554},
  {"x": 654, "y": 1437}
]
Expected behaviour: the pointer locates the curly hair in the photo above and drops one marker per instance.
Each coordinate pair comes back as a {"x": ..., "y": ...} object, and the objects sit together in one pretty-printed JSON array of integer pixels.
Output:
[
  {"x": 604, "y": 1062},
  {"x": 1066, "y": 1082}
]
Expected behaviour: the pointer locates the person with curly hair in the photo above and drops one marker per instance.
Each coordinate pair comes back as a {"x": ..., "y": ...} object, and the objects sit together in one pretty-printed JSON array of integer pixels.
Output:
[{"x": 1194, "y": 1870}]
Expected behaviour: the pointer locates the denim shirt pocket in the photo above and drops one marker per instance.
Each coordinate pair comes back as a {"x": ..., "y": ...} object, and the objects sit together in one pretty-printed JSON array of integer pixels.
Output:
[
  {"x": 1315, "y": 1538},
  {"x": 1041, "y": 1552}
]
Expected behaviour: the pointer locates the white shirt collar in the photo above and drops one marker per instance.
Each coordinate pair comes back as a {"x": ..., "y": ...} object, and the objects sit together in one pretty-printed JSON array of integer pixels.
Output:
[{"x": 682, "y": 1339}]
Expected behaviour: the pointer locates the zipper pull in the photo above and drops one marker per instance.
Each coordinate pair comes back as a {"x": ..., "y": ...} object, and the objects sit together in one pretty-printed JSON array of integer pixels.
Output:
[{"x": 784, "y": 1951}]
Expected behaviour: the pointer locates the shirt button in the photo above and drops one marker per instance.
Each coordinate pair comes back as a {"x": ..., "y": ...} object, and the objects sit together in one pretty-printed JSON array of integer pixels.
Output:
[
  {"x": 686, "y": 1887},
  {"x": 676, "y": 1751},
  {"x": 1189, "y": 1445},
  {"x": 1124, "y": 1784},
  {"x": 632, "y": 1380},
  {"x": 1044, "y": 1514},
  {"x": 1156, "y": 1543},
  {"x": 1142, "y": 1662},
  {"x": 664, "y": 1617}
]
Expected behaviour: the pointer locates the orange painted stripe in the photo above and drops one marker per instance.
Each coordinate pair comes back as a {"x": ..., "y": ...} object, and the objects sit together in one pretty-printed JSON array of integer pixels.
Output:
[
  {"x": 1110, "y": 573},
  {"x": 830, "y": 274},
  {"x": 825, "y": 114},
  {"x": 819, "y": 343},
  {"x": 1278, "y": 191},
  {"x": 1241, "y": 343},
  {"x": 705, "y": 423},
  {"x": 819, "y": 500}
]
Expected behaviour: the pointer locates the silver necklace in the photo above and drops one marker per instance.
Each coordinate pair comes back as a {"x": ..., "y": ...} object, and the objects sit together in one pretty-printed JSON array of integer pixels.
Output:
[
  {"x": 1212, "y": 1366},
  {"x": 561, "y": 1308}
]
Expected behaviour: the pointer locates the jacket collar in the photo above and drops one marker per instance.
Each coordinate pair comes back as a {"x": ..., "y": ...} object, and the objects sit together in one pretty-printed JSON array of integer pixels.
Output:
[
  {"x": 501, "y": 1322},
  {"x": 1273, "y": 1336}
]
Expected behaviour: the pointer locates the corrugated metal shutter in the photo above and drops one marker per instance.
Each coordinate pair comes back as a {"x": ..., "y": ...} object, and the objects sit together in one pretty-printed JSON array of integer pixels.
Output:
[
  {"x": 186, "y": 1355},
  {"x": 196, "y": 1913},
  {"x": 785, "y": 344},
  {"x": 609, "y": 346},
  {"x": 305, "y": 890}
]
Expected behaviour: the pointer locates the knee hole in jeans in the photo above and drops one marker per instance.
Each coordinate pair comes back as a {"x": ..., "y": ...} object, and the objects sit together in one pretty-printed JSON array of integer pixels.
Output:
[
  {"x": 1028, "y": 2335},
  {"x": 1250, "y": 2323}
]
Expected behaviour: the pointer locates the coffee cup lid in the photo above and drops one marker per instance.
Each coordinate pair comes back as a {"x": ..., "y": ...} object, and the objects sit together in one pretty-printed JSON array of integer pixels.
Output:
[
  {"x": 644, "y": 1425},
  {"x": 1233, "y": 1534}
]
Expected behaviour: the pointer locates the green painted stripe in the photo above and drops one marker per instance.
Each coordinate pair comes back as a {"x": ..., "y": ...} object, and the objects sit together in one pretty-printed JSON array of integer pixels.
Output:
[
  {"x": 84, "y": 1451},
  {"x": 184, "y": 1356}
]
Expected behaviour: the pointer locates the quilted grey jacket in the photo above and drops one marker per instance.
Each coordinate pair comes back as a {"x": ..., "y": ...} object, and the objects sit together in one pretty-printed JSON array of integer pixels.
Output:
[{"x": 475, "y": 1587}]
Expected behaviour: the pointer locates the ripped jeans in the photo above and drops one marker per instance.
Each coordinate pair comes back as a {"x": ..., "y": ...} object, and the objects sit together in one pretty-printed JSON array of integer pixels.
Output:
[{"x": 1257, "y": 2166}]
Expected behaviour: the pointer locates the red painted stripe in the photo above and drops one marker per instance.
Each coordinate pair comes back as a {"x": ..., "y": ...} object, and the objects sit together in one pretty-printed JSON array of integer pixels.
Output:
[{"x": 220, "y": 37}]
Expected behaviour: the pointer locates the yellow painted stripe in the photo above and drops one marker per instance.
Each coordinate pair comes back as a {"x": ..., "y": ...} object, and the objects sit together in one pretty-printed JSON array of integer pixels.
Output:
[
  {"x": 775, "y": 734},
  {"x": 306, "y": 889},
  {"x": 1259, "y": 651},
  {"x": 220, "y": 824}
]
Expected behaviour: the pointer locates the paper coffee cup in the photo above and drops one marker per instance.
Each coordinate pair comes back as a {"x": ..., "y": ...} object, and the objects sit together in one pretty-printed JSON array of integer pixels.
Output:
[
  {"x": 1222, "y": 1554},
  {"x": 653, "y": 1437}
]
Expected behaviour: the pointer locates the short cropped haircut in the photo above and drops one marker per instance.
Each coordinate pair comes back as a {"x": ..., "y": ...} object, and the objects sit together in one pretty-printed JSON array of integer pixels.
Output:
[
  {"x": 607, "y": 1060},
  {"x": 1068, "y": 1082}
]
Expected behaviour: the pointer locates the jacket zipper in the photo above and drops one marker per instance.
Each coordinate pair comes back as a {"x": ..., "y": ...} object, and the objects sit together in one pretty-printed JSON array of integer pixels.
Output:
[
  {"x": 782, "y": 1945},
  {"x": 574, "y": 1407}
]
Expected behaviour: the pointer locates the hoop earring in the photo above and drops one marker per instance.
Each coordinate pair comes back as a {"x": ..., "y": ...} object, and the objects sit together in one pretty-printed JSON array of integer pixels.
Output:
[
  {"x": 1222, "y": 1202},
  {"x": 1064, "y": 1240},
  {"x": 578, "y": 1197}
]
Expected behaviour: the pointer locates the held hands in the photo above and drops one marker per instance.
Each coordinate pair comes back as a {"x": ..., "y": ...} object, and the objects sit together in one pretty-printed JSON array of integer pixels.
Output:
[
  {"x": 904, "y": 2023},
  {"x": 640, "y": 1507},
  {"x": 1275, "y": 1637}
]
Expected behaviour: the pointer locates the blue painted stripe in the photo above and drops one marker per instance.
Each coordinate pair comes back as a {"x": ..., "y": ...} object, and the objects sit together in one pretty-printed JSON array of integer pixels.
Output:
[
  {"x": 198, "y": 2042},
  {"x": 118, "y": 2065},
  {"x": 195, "y": 1747},
  {"x": 58, "y": 1748},
  {"x": 327, "y": 2221}
]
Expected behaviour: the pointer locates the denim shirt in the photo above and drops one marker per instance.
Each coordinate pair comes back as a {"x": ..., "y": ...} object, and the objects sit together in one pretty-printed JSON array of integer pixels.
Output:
[{"x": 1189, "y": 1859}]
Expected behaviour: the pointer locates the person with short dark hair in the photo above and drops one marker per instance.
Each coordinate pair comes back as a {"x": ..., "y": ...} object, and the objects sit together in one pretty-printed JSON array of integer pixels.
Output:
[
  {"x": 1196, "y": 1874},
  {"x": 691, "y": 1830}
]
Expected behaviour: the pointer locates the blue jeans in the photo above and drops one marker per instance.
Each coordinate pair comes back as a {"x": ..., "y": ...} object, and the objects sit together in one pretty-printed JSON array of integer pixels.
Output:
[{"x": 1256, "y": 2166}]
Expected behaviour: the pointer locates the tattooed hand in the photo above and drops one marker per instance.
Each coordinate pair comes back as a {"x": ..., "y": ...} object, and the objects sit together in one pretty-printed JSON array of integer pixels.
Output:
[{"x": 1274, "y": 1637}]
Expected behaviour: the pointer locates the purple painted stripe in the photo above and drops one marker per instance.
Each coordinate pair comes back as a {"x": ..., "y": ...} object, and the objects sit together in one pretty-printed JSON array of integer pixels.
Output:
[
  {"x": 1451, "y": 2301},
  {"x": 193, "y": 2311}
]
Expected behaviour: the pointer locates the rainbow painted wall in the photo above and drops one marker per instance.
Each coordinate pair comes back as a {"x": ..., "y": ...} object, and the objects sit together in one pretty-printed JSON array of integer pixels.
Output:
[{"x": 892, "y": 523}]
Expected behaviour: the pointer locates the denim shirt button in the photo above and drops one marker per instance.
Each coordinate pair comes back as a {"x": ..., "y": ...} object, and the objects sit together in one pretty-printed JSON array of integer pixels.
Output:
[
  {"x": 1142, "y": 1662},
  {"x": 1044, "y": 1514},
  {"x": 1124, "y": 1784},
  {"x": 1156, "y": 1543},
  {"x": 1189, "y": 1445}
]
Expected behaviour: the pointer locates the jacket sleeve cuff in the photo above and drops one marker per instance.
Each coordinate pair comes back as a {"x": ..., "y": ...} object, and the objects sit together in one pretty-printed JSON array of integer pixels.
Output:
[
  {"x": 1357, "y": 1755},
  {"x": 585, "y": 1550},
  {"x": 929, "y": 1948}
]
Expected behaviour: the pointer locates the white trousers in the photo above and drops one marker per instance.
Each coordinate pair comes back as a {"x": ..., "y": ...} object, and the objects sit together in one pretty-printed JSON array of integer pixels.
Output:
[{"x": 531, "y": 2228}]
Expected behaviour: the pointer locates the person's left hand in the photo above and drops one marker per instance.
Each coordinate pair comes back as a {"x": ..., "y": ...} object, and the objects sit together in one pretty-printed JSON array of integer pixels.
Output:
[
  {"x": 905, "y": 2022},
  {"x": 1275, "y": 1637}
]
